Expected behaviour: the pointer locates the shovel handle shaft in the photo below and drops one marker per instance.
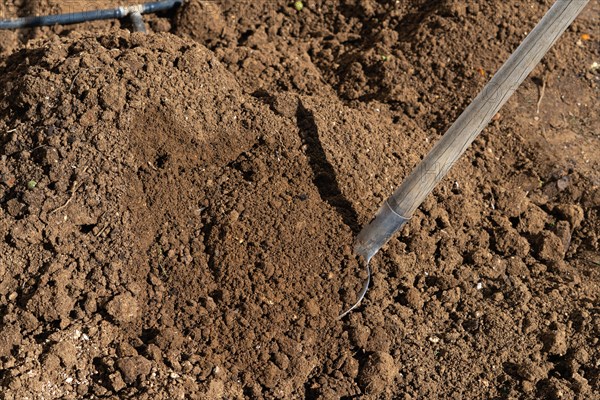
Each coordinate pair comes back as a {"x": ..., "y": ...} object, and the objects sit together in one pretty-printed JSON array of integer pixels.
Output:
[{"x": 444, "y": 154}]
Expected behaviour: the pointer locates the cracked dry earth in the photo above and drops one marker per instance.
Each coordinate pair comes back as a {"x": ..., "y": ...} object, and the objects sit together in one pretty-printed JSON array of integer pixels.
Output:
[{"x": 177, "y": 209}]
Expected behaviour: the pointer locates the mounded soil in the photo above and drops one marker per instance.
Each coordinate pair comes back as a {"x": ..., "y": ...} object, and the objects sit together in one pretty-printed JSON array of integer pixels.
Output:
[{"x": 177, "y": 209}]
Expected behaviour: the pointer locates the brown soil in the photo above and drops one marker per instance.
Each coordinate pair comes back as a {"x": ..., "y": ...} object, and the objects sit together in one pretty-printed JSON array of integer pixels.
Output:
[{"x": 177, "y": 209}]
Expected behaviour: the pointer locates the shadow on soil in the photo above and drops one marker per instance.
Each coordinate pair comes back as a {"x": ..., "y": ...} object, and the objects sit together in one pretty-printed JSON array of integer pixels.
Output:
[{"x": 324, "y": 176}]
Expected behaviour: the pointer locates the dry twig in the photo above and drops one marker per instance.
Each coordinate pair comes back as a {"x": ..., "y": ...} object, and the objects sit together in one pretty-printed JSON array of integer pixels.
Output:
[
  {"x": 542, "y": 92},
  {"x": 74, "y": 188}
]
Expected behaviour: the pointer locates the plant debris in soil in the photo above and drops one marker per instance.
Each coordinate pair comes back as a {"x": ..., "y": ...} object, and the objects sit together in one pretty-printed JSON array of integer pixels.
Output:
[{"x": 177, "y": 209}]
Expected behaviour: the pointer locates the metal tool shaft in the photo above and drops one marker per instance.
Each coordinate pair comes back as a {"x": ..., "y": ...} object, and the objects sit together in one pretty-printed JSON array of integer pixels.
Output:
[{"x": 400, "y": 206}]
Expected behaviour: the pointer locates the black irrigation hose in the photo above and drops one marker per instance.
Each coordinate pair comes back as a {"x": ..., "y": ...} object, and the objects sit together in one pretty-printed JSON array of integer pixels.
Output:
[{"x": 133, "y": 12}]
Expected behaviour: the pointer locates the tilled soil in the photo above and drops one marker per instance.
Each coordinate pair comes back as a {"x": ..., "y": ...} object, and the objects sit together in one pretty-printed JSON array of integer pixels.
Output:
[{"x": 177, "y": 209}]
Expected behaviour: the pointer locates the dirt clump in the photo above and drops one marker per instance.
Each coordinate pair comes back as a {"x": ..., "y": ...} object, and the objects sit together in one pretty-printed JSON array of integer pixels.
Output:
[{"x": 378, "y": 373}]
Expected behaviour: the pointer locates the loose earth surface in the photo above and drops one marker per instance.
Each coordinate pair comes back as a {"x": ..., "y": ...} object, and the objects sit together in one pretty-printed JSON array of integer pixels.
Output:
[{"x": 177, "y": 209}]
